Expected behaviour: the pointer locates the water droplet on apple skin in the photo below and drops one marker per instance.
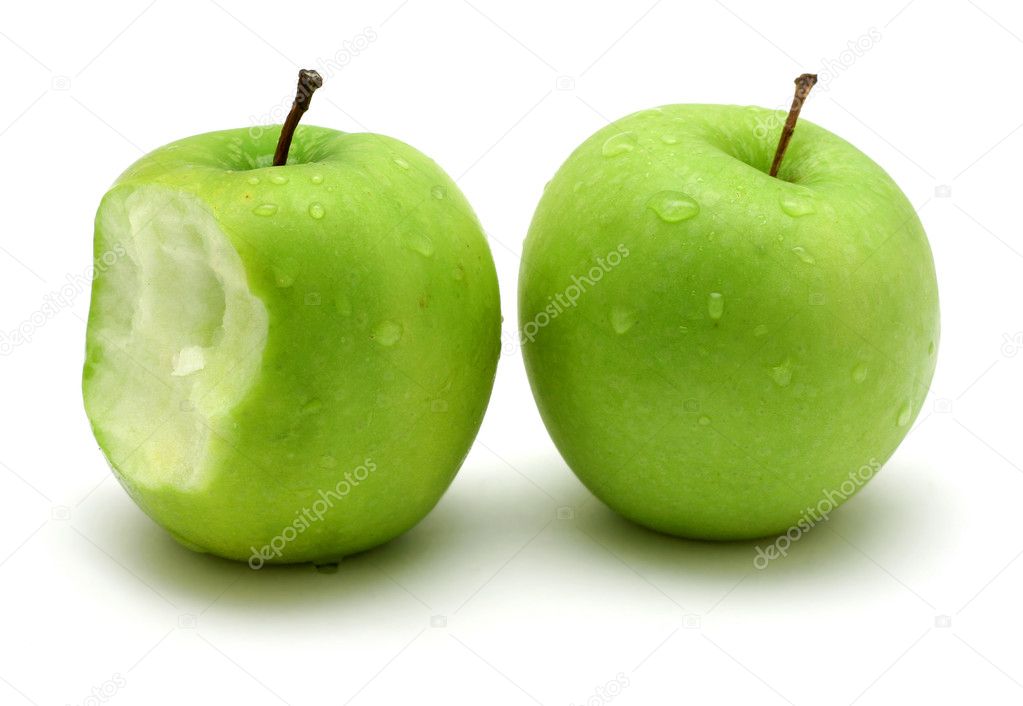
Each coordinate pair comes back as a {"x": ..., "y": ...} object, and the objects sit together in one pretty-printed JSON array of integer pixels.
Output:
[
  {"x": 316, "y": 210},
  {"x": 859, "y": 373},
  {"x": 797, "y": 206},
  {"x": 673, "y": 206},
  {"x": 283, "y": 279},
  {"x": 401, "y": 163},
  {"x": 316, "y": 179},
  {"x": 704, "y": 421},
  {"x": 266, "y": 209},
  {"x": 715, "y": 305},
  {"x": 782, "y": 374},
  {"x": 803, "y": 255},
  {"x": 617, "y": 144},
  {"x": 387, "y": 333},
  {"x": 253, "y": 180},
  {"x": 417, "y": 242},
  {"x": 905, "y": 413},
  {"x": 438, "y": 192},
  {"x": 278, "y": 179},
  {"x": 669, "y": 139},
  {"x": 622, "y": 319}
]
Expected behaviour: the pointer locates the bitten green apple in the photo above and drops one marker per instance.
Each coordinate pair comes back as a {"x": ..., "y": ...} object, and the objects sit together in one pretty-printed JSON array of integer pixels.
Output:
[
  {"x": 288, "y": 363},
  {"x": 717, "y": 352}
]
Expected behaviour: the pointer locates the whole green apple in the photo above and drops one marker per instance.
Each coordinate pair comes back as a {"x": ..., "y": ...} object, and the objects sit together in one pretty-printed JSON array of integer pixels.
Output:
[
  {"x": 719, "y": 353},
  {"x": 288, "y": 363}
]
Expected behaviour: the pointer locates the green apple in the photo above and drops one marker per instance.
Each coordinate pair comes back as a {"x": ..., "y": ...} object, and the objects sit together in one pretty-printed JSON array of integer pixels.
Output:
[
  {"x": 719, "y": 353},
  {"x": 288, "y": 363}
]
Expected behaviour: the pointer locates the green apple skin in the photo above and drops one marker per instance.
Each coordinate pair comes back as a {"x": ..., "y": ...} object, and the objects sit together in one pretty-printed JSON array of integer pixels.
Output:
[
  {"x": 756, "y": 342},
  {"x": 288, "y": 364}
]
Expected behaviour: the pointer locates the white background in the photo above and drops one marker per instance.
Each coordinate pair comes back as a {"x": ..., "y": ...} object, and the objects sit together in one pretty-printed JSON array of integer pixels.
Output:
[{"x": 911, "y": 592}]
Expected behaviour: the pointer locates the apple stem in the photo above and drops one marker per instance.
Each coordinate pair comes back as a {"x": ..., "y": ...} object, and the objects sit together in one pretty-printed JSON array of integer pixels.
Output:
[
  {"x": 804, "y": 82},
  {"x": 308, "y": 82}
]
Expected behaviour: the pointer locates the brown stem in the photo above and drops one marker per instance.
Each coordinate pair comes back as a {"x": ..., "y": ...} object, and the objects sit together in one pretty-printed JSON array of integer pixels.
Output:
[
  {"x": 803, "y": 85},
  {"x": 308, "y": 81}
]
